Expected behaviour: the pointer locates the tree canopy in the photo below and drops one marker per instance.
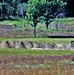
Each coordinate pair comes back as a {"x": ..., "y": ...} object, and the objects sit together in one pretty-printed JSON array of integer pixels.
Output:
[
  {"x": 12, "y": 8},
  {"x": 43, "y": 10},
  {"x": 34, "y": 11}
]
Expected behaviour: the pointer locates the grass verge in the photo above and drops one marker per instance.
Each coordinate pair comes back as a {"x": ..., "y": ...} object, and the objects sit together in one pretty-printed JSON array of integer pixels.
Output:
[
  {"x": 27, "y": 52},
  {"x": 43, "y": 40}
]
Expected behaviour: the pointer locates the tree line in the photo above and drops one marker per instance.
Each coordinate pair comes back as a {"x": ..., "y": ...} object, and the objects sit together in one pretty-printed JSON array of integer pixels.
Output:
[
  {"x": 15, "y": 8},
  {"x": 33, "y": 11},
  {"x": 12, "y": 8},
  {"x": 44, "y": 11}
]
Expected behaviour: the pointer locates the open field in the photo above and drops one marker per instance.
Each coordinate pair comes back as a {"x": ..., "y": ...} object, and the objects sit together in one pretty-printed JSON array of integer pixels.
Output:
[
  {"x": 65, "y": 28},
  {"x": 65, "y": 71},
  {"x": 27, "y": 52},
  {"x": 69, "y": 21},
  {"x": 36, "y": 62}
]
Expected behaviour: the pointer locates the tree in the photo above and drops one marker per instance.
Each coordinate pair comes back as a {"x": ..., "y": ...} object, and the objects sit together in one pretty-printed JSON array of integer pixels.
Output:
[
  {"x": 0, "y": 9},
  {"x": 32, "y": 14},
  {"x": 50, "y": 11},
  {"x": 60, "y": 12},
  {"x": 10, "y": 9},
  {"x": 43, "y": 10}
]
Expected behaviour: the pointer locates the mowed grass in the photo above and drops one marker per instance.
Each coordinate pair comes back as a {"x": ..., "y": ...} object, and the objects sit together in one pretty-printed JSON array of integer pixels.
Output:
[
  {"x": 2, "y": 39},
  {"x": 20, "y": 21},
  {"x": 43, "y": 40},
  {"x": 40, "y": 40},
  {"x": 69, "y": 21},
  {"x": 12, "y": 22},
  {"x": 28, "y": 52}
]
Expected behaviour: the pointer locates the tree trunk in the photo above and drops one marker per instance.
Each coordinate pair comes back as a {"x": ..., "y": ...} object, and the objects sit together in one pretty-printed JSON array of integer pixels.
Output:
[
  {"x": 47, "y": 24},
  {"x": 34, "y": 31},
  {"x": 57, "y": 23},
  {"x": 57, "y": 27},
  {"x": 1, "y": 14}
]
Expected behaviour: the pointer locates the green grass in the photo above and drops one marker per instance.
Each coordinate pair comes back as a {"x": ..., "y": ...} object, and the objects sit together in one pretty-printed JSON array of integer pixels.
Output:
[
  {"x": 20, "y": 21},
  {"x": 2, "y": 39},
  {"x": 61, "y": 21},
  {"x": 41, "y": 26},
  {"x": 40, "y": 40},
  {"x": 12, "y": 22},
  {"x": 43, "y": 40},
  {"x": 28, "y": 52},
  {"x": 69, "y": 21}
]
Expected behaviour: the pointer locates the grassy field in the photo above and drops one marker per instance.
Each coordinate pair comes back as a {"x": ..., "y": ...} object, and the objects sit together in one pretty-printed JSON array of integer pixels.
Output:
[
  {"x": 40, "y": 40},
  {"x": 12, "y": 22},
  {"x": 33, "y": 62},
  {"x": 41, "y": 26},
  {"x": 37, "y": 62},
  {"x": 65, "y": 27},
  {"x": 27, "y": 52},
  {"x": 69, "y": 21}
]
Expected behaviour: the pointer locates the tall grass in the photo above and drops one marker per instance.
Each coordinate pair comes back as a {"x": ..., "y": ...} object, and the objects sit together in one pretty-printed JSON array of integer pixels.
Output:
[
  {"x": 67, "y": 70},
  {"x": 28, "y": 52}
]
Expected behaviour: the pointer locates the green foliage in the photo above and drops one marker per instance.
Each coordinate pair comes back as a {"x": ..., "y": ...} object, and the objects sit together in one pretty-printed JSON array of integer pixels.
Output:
[
  {"x": 12, "y": 8},
  {"x": 43, "y": 11},
  {"x": 49, "y": 10},
  {"x": 36, "y": 11},
  {"x": 32, "y": 14}
]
